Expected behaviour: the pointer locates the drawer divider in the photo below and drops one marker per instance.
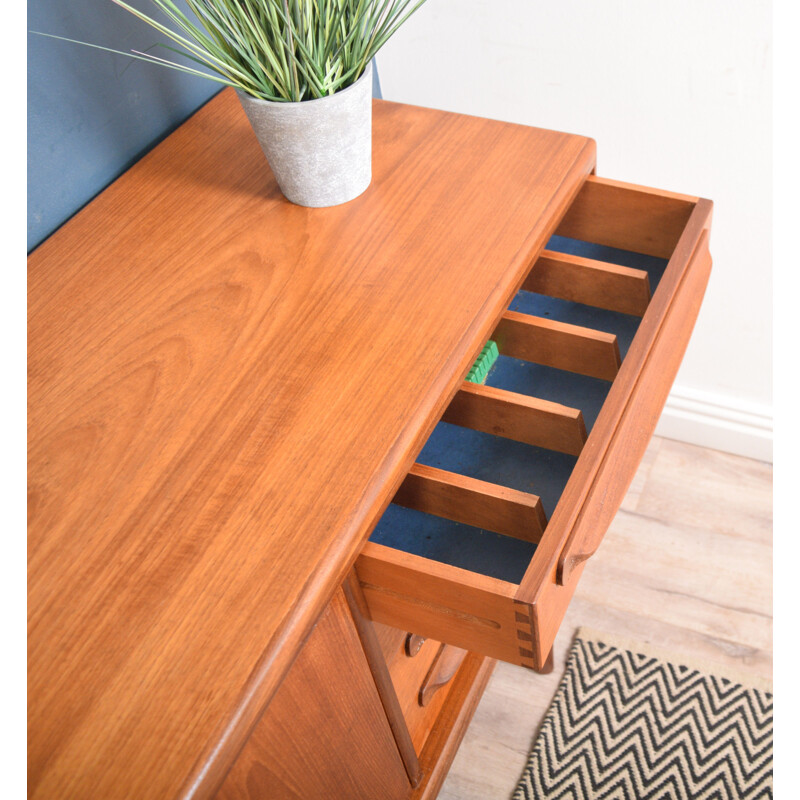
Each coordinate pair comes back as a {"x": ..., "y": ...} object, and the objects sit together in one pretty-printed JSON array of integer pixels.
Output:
[
  {"x": 473, "y": 502},
  {"x": 517, "y": 416},
  {"x": 591, "y": 282},
  {"x": 558, "y": 344}
]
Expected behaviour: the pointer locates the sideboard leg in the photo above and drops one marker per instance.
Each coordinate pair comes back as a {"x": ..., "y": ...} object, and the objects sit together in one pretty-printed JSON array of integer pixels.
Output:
[{"x": 547, "y": 667}]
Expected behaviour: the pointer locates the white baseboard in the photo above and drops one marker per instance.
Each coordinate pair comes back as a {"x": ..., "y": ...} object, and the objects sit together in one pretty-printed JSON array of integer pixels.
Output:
[{"x": 719, "y": 422}]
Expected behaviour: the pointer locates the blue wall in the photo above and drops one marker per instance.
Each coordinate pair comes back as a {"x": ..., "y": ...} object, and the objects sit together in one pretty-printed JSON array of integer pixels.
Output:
[{"x": 91, "y": 114}]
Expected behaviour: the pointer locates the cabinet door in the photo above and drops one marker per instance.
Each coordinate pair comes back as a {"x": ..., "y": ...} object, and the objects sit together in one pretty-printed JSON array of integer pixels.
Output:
[{"x": 325, "y": 733}]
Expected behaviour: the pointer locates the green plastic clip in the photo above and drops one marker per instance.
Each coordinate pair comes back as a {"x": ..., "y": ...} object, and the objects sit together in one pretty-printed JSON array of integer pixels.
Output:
[{"x": 483, "y": 363}]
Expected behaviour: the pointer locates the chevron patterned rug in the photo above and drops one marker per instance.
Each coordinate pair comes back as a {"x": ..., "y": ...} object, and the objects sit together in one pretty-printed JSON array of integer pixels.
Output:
[{"x": 628, "y": 725}]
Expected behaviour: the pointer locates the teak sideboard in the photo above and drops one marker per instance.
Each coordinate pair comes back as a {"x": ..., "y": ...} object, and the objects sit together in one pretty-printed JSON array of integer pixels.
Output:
[{"x": 276, "y": 540}]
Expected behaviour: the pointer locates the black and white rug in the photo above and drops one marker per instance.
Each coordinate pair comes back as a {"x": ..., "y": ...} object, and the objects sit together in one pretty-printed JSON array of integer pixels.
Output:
[{"x": 628, "y": 725}]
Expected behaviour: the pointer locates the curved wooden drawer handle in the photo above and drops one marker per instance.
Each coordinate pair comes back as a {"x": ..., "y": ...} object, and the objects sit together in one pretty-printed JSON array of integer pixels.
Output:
[{"x": 445, "y": 665}]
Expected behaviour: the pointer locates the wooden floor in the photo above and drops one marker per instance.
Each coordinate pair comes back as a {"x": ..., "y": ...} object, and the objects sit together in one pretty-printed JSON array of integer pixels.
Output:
[{"x": 686, "y": 565}]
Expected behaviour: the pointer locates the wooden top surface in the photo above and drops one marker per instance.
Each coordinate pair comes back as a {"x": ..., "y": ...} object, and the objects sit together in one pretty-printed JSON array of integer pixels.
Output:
[{"x": 225, "y": 389}]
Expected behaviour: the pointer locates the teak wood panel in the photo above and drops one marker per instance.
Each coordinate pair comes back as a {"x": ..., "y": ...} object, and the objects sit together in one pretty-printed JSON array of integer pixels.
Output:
[
  {"x": 518, "y": 417},
  {"x": 444, "y": 667},
  {"x": 447, "y": 602},
  {"x": 628, "y": 217},
  {"x": 324, "y": 735},
  {"x": 558, "y": 344},
  {"x": 407, "y": 675},
  {"x": 443, "y": 742},
  {"x": 640, "y": 415},
  {"x": 591, "y": 282},
  {"x": 620, "y": 434},
  {"x": 221, "y": 409},
  {"x": 472, "y": 501},
  {"x": 436, "y": 600},
  {"x": 380, "y": 673}
]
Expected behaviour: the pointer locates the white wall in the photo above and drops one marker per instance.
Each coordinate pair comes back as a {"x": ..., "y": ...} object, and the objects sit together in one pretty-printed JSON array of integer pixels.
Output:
[{"x": 678, "y": 95}]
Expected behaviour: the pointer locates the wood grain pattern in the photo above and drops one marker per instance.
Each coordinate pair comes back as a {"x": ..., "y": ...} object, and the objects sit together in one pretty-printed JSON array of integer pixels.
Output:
[
  {"x": 444, "y": 667},
  {"x": 380, "y": 673},
  {"x": 629, "y": 414},
  {"x": 518, "y": 417},
  {"x": 407, "y": 674},
  {"x": 216, "y": 418},
  {"x": 591, "y": 497},
  {"x": 558, "y": 344},
  {"x": 324, "y": 736},
  {"x": 473, "y": 502},
  {"x": 628, "y": 217},
  {"x": 591, "y": 282},
  {"x": 439, "y": 601},
  {"x": 451, "y": 726},
  {"x": 628, "y": 445}
]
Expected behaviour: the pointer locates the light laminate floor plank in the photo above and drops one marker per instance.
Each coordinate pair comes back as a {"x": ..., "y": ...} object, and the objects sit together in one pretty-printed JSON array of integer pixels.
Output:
[{"x": 686, "y": 566}]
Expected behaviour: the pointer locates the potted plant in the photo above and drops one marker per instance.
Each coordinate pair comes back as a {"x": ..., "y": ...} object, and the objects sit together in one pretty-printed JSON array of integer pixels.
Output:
[{"x": 302, "y": 71}]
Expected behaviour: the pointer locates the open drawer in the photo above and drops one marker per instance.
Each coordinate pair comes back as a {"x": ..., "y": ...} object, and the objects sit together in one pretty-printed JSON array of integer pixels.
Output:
[{"x": 487, "y": 536}]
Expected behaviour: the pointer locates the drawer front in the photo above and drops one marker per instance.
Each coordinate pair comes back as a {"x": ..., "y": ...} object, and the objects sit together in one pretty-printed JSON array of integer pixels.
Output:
[{"x": 485, "y": 540}]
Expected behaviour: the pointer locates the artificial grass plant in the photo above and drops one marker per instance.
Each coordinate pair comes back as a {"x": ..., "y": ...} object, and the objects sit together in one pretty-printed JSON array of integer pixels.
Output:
[{"x": 279, "y": 50}]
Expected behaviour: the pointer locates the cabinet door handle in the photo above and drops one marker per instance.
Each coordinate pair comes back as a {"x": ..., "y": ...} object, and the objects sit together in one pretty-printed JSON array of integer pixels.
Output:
[
  {"x": 444, "y": 666},
  {"x": 413, "y": 644}
]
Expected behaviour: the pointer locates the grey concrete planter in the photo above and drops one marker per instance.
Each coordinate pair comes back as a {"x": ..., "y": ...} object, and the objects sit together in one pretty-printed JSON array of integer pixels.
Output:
[{"x": 320, "y": 151}]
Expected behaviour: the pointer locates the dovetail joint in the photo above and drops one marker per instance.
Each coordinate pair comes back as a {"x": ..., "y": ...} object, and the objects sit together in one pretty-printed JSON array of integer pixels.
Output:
[{"x": 523, "y": 614}]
